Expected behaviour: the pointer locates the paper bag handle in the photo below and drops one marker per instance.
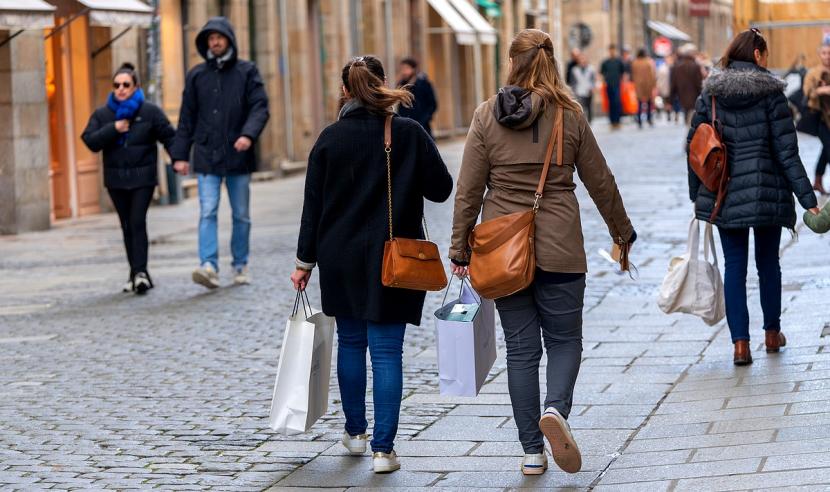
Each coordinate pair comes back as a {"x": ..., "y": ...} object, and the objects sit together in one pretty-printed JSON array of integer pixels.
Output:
[{"x": 302, "y": 296}]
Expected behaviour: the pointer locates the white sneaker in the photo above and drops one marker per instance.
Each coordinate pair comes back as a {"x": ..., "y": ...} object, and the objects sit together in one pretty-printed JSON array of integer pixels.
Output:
[
  {"x": 534, "y": 464},
  {"x": 355, "y": 444},
  {"x": 206, "y": 276},
  {"x": 562, "y": 444},
  {"x": 129, "y": 286},
  {"x": 385, "y": 462},
  {"x": 241, "y": 276},
  {"x": 142, "y": 283}
]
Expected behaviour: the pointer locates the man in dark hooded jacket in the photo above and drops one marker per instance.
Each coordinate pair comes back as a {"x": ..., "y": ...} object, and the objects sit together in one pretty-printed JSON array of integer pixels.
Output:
[{"x": 224, "y": 109}]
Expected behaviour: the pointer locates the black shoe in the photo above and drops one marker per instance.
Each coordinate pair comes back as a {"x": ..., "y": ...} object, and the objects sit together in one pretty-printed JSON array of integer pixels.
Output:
[{"x": 142, "y": 283}]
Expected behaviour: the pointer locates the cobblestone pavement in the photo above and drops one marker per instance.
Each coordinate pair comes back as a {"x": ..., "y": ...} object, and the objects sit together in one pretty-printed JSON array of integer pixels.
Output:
[{"x": 100, "y": 389}]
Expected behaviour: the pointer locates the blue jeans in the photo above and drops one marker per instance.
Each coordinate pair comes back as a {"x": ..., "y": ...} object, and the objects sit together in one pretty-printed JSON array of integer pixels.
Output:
[
  {"x": 239, "y": 193},
  {"x": 648, "y": 108},
  {"x": 614, "y": 103},
  {"x": 385, "y": 342},
  {"x": 735, "y": 244},
  {"x": 824, "y": 156}
]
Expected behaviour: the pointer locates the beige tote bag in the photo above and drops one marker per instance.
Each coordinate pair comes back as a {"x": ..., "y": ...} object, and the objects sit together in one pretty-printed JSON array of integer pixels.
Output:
[{"x": 693, "y": 284}]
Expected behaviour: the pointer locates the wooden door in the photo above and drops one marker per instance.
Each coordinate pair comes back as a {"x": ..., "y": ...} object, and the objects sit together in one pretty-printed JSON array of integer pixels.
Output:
[
  {"x": 87, "y": 168},
  {"x": 59, "y": 168}
]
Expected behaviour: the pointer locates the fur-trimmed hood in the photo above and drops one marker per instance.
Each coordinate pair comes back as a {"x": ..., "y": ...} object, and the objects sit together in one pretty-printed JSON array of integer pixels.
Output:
[{"x": 743, "y": 80}]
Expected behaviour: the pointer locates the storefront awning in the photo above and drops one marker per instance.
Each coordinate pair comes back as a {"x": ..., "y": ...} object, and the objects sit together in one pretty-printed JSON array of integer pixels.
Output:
[
  {"x": 109, "y": 13},
  {"x": 464, "y": 33},
  {"x": 487, "y": 33},
  {"x": 26, "y": 14},
  {"x": 669, "y": 31},
  {"x": 464, "y": 21}
]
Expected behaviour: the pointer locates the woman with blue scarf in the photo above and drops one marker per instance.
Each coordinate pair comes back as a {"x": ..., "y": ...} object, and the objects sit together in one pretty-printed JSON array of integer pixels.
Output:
[{"x": 127, "y": 130}]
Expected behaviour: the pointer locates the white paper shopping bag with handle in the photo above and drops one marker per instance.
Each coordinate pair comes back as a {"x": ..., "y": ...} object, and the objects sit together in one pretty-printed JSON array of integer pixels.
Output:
[
  {"x": 465, "y": 331},
  {"x": 301, "y": 390}
]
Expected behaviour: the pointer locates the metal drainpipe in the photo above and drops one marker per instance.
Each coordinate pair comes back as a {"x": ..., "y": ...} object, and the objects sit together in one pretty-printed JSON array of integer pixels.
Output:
[
  {"x": 478, "y": 71},
  {"x": 390, "y": 54},
  {"x": 285, "y": 66}
]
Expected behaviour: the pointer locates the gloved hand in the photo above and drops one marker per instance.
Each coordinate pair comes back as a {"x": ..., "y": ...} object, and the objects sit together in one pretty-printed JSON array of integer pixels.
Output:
[{"x": 818, "y": 223}]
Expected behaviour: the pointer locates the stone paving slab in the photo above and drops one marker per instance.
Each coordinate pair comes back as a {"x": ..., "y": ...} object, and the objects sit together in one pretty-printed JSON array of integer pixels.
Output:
[{"x": 171, "y": 391}]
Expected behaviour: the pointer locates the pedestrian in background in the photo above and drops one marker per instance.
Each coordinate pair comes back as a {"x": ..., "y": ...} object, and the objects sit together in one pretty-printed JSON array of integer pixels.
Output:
[
  {"x": 504, "y": 156},
  {"x": 765, "y": 169},
  {"x": 817, "y": 92},
  {"x": 583, "y": 79},
  {"x": 343, "y": 229},
  {"x": 686, "y": 80},
  {"x": 573, "y": 62},
  {"x": 613, "y": 71},
  {"x": 644, "y": 76},
  {"x": 669, "y": 105},
  {"x": 127, "y": 129},
  {"x": 424, "y": 104},
  {"x": 224, "y": 109},
  {"x": 627, "y": 59}
]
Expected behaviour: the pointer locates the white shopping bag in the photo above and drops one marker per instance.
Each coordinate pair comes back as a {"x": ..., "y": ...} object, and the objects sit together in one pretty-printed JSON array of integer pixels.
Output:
[
  {"x": 693, "y": 285},
  {"x": 301, "y": 391},
  {"x": 465, "y": 331}
]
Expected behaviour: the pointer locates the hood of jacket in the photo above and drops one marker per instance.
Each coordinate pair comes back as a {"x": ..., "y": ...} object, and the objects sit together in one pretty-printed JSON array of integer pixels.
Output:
[
  {"x": 742, "y": 83},
  {"x": 516, "y": 108},
  {"x": 216, "y": 24}
]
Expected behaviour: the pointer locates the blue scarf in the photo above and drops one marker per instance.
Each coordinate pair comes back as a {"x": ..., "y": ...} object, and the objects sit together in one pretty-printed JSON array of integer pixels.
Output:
[{"x": 125, "y": 110}]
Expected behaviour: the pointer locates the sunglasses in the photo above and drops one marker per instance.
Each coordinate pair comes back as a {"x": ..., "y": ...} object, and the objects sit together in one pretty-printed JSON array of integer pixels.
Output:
[{"x": 118, "y": 85}]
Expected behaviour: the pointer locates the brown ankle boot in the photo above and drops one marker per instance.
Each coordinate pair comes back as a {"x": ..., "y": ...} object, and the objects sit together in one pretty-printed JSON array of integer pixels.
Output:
[
  {"x": 742, "y": 354},
  {"x": 774, "y": 341}
]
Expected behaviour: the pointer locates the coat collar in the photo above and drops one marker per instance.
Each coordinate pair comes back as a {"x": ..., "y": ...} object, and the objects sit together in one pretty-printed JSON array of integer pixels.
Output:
[
  {"x": 350, "y": 106},
  {"x": 743, "y": 79}
]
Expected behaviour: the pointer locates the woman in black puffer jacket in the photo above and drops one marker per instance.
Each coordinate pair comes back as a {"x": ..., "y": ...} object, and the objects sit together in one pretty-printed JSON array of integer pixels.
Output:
[
  {"x": 127, "y": 129},
  {"x": 765, "y": 171}
]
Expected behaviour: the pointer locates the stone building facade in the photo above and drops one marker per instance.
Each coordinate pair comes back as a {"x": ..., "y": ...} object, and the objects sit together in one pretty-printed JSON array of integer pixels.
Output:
[{"x": 53, "y": 74}]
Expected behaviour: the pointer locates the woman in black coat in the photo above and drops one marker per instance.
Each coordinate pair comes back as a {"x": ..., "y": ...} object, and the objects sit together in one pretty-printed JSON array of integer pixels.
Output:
[
  {"x": 765, "y": 171},
  {"x": 343, "y": 229},
  {"x": 127, "y": 129}
]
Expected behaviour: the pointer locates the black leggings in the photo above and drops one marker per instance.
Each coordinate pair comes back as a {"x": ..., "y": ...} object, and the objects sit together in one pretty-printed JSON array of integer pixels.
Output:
[
  {"x": 824, "y": 156},
  {"x": 132, "y": 206}
]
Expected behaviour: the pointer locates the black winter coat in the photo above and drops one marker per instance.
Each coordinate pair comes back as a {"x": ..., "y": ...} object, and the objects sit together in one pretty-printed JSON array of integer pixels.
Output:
[
  {"x": 219, "y": 105},
  {"x": 345, "y": 224},
  {"x": 762, "y": 150},
  {"x": 135, "y": 163},
  {"x": 425, "y": 104}
]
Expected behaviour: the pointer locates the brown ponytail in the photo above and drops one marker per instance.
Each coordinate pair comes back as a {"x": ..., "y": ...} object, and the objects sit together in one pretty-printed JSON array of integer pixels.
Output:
[
  {"x": 364, "y": 78},
  {"x": 743, "y": 47},
  {"x": 534, "y": 67}
]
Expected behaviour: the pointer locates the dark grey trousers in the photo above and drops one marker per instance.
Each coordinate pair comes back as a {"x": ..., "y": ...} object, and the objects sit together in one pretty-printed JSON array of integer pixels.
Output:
[{"x": 551, "y": 312}]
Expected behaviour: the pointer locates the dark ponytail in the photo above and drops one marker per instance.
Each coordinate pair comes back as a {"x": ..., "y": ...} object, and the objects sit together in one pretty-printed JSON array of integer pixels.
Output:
[
  {"x": 743, "y": 47},
  {"x": 129, "y": 69},
  {"x": 364, "y": 78}
]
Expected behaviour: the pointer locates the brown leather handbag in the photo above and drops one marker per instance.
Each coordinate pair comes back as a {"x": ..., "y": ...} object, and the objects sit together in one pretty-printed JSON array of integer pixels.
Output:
[
  {"x": 503, "y": 259},
  {"x": 707, "y": 158},
  {"x": 408, "y": 263}
]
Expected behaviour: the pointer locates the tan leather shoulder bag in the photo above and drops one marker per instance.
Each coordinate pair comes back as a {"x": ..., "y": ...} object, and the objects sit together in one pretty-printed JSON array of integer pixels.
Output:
[
  {"x": 503, "y": 259},
  {"x": 412, "y": 264}
]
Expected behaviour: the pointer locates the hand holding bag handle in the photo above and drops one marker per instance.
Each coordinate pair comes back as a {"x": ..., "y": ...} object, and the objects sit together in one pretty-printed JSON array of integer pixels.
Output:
[{"x": 413, "y": 264}]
